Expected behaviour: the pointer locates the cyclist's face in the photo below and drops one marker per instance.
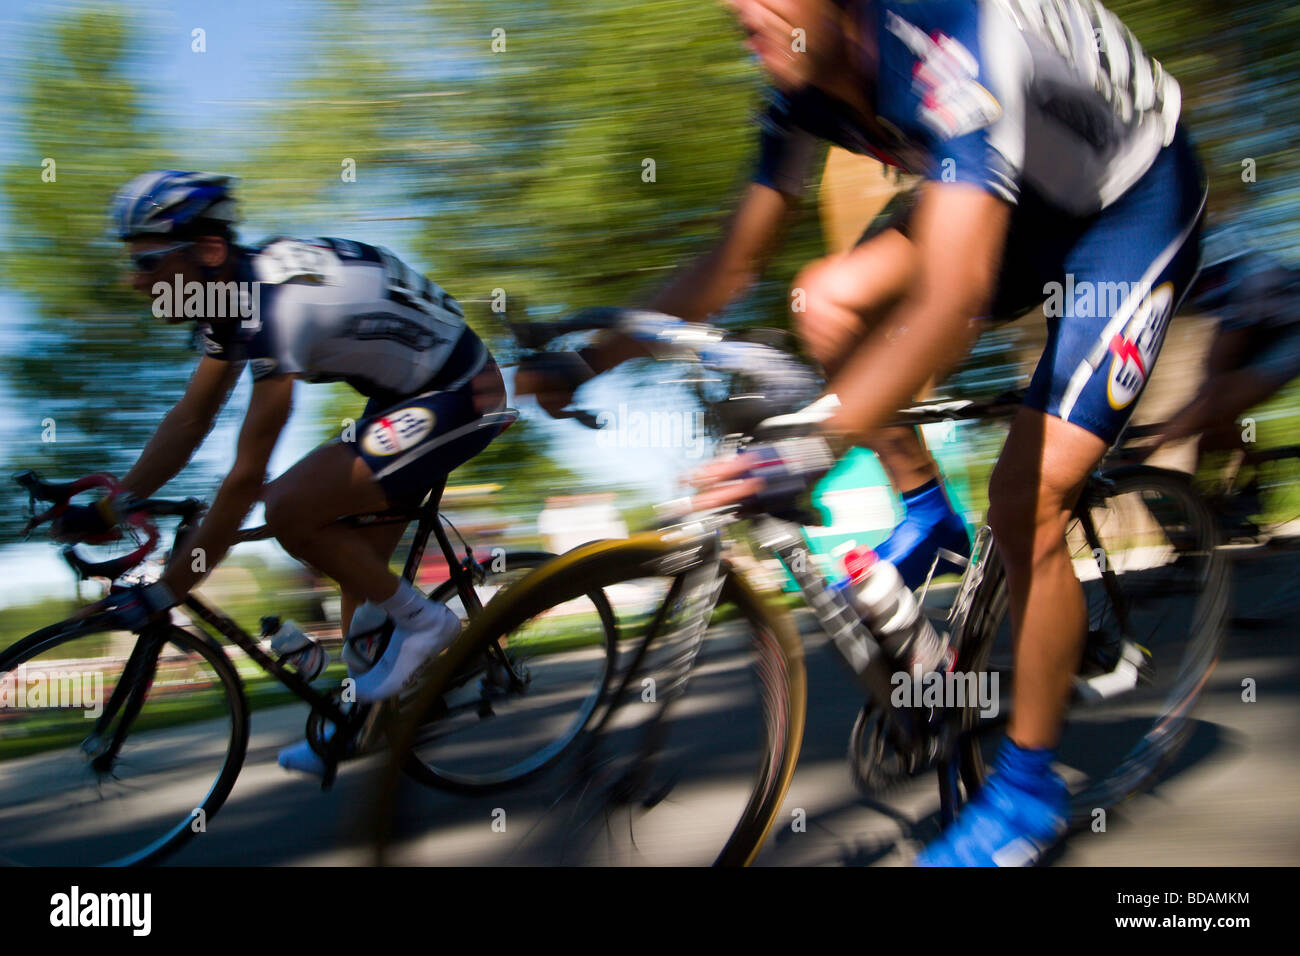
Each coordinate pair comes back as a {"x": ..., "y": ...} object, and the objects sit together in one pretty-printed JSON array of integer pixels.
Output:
[
  {"x": 792, "y": 38},
  {"x": 148, "y": 267}
]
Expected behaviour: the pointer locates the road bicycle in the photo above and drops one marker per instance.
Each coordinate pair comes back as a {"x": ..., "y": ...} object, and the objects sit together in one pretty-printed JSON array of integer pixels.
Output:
[
  {"x": 693, "y": 757},
  {"x": 118, "y": 748}
]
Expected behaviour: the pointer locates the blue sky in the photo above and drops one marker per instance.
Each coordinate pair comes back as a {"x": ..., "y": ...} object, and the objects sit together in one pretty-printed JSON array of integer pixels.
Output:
[{"x": 250, "y": 44}]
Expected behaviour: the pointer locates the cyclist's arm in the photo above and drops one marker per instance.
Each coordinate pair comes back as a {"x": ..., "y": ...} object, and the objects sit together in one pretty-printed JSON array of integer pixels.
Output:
[
  {"x": 1225, "y": 379},
  {"x": 268, "y": 410},
  {"x": 701, "y": 288},
  {"x": 715, "y": 278},
  {"x": 184, "y": 427},
  {"x": 959, "y": 230}
]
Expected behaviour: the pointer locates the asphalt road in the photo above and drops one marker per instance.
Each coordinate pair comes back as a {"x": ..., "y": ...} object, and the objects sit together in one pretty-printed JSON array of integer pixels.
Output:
[{"x": 1230, "y": 799}]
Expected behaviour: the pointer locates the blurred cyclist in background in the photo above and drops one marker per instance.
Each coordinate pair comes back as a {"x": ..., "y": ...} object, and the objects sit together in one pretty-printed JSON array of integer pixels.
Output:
[
  {"x": 1255, "y": 351},
  {"x": 1052, "y": 157},
  {"x": 317, "y": 310}
]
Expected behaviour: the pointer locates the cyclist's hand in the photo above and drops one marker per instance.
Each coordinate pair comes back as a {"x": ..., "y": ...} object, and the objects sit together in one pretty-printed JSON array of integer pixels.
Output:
[
  {"x": 134, "y": 607},
  {"x": 93, "y": 523},
  {"x": 769, "y": 476},
  {"x": 552, "y": 392}
]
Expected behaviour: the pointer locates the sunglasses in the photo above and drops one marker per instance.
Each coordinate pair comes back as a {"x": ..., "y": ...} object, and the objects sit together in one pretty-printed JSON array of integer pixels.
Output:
[{"x": 152, "y": 259}]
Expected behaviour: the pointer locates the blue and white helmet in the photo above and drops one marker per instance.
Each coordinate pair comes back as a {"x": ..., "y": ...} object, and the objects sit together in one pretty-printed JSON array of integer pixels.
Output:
[{"x": 165, "y": 202}]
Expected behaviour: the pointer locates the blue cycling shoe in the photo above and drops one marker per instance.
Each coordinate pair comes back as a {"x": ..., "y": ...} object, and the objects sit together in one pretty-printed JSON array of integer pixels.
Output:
[
  {"x": 1019, "y": 813},
  {"x": 928, "y": 524}
]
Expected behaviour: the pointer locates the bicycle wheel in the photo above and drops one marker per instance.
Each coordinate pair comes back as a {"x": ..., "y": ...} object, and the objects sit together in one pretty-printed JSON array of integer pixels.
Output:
[
  {"x": 723, "y": 732},
  {"x": 511, "y": 713},
  {"x": 115, "y": 749},
  {"x": 1144, "y": 547}
]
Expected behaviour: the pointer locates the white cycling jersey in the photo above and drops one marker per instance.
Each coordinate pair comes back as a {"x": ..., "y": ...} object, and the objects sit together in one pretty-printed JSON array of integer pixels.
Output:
[{"x": 337, "y": 310}]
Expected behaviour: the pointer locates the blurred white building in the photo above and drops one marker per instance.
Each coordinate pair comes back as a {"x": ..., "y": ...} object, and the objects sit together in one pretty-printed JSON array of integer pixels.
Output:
[{"x": 570, "y": 520}]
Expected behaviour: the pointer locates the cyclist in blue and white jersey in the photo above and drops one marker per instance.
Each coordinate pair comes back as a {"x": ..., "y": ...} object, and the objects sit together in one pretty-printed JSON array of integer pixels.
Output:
[
  {"x": 315, "y": 310},
  {"x": 1053, "y": 161}
]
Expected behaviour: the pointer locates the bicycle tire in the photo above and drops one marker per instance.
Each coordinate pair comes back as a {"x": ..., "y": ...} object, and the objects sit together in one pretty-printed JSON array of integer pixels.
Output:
[
  {"x": 1194, "y": 539},
  {"x": 452, "y": 780},
  {"x": 146, "y": 741},
  {"x": 607, "y": 563}
]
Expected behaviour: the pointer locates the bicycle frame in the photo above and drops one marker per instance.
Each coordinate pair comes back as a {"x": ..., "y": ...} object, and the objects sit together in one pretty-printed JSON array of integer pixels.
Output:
[
  {"x": 700, "y": 552},
  {"x": 128, "y": 695}
]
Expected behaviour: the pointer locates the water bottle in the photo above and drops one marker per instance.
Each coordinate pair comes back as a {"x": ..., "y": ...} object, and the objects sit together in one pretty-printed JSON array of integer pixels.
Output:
[
  {"x": 877, "y": 592},
  {"x": 295, "y": 648}
]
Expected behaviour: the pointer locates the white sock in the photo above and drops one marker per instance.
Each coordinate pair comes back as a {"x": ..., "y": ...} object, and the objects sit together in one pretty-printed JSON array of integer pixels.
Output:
[{"x": 408, "y": 608}]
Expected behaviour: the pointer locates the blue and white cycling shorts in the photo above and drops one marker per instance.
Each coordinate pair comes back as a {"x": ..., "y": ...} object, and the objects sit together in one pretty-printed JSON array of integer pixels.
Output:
[
  {"x": 412, "y": 443},
  {"x": 1109, "y": 284}
]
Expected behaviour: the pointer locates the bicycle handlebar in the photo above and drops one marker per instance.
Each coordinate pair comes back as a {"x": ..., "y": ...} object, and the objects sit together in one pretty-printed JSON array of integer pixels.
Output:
[
  {"x": 136, "y": 513},
  {"x": 669, "y": 337}
]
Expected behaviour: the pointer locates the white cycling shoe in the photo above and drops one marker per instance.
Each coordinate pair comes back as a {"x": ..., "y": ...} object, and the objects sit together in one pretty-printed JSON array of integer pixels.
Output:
[
  {"x": 401, "y": 660},
  {"x": 407, "y": 651}
]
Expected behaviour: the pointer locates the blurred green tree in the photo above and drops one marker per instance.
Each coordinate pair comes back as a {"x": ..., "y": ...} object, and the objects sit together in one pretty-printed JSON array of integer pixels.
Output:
[
  {"x": 95, "y": 370},
  {"x": 516, "y": 156}
]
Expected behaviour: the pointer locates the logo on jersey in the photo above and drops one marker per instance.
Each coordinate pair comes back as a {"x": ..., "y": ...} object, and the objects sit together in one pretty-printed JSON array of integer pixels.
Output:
[
  {"x": 398, "y": 431},
  {"x": 1134, "y": 348},
  {"x": 394, "y": 328},
  {"x": 283, "y": 260},
  {"x": 953, "y": 103}
]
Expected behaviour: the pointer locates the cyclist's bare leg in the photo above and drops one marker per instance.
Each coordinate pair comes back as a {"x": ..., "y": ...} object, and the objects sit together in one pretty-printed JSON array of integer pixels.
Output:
[
  {"x": 844, "y": 297},
  {"x": 302, "y": 506},
  {"x": 383, "y": 539},
  {"x": 1037, "y": 479},
  {"x": 1220, "y": 400}
]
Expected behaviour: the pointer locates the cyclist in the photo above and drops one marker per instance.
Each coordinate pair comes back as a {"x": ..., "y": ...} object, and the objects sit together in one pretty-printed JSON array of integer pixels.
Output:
[
  {"x": 1053, "y": 160},
  {"x": 1255, "y": 351},
  {"x": 317, "y": 310},
  {"x": 844, "y": 295}
]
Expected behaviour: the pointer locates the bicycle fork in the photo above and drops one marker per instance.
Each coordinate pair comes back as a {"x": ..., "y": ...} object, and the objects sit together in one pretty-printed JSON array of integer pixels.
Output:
[{"x": 128, "y": 697}]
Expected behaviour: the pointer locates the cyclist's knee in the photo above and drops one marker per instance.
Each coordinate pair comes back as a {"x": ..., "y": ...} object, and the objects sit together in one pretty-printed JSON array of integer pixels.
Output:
[
  {"x": 821, "y": 300},
  {"x": 1027, "y": 514},
  {"x": 283, "y": 516}
]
